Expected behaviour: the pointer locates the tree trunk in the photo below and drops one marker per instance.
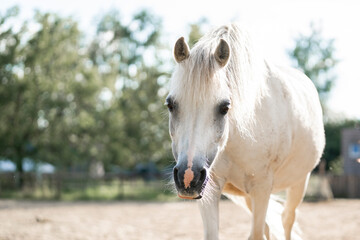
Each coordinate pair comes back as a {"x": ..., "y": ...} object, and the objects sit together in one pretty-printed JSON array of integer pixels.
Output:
[{"x": 20, "y": 172}]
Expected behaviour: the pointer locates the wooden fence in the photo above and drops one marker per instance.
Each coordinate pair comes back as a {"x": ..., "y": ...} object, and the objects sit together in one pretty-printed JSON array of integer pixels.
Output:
[
  {"x": 341, "y": 186},
  {"x": 345, "y": 186},
  {"x": 54, "y": 185}
]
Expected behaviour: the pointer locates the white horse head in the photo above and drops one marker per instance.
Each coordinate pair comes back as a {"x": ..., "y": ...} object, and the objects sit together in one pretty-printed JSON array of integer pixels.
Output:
[
  {"x": 198, "y": 102},
  {"x": 213, "y": 89}
]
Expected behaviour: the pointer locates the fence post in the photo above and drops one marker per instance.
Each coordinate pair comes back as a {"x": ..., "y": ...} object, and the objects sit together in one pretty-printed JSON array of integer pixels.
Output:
[
  {"x": 121, "y": 187},
  {"x": 351, "y": 183},
  {"x": 58, "y": 183}
]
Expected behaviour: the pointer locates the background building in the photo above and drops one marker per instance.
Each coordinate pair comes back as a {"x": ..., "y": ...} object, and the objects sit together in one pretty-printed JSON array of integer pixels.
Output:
[{"x": 350, "y": 149}]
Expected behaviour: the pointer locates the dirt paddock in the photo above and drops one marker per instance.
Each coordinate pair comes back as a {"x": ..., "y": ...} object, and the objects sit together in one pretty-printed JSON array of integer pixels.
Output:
[{"x": 339, "y": 219}]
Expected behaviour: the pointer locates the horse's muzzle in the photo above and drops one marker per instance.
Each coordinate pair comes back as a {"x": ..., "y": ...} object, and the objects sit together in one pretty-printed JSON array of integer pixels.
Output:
[{"x": 190, "y": 182}]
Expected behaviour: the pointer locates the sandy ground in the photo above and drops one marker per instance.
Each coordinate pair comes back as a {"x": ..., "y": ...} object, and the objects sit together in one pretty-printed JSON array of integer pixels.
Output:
[{"x": 336, "y": 220}]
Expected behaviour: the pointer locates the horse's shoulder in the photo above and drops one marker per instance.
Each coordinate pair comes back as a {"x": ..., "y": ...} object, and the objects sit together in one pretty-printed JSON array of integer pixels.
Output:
[
  {"x": 290, "y": 76},
  {"x": 290, "y": 82},
  {"x": 231, "y": 189}
]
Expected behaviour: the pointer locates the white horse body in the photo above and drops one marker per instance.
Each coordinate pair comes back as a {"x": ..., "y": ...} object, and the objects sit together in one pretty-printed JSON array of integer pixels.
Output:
[
  {"x": 269, "y": 140},
  {"x": 287, "y": 138}
]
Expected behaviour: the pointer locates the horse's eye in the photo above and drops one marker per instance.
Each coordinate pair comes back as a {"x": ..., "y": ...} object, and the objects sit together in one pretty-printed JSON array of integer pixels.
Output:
[
  {"x": 224, "y": 108},
  {"x": 170, "y": 105}
]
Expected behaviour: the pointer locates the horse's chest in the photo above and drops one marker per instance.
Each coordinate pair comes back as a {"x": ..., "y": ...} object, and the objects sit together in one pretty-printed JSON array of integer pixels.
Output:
[{"x": 233, "y": 190}]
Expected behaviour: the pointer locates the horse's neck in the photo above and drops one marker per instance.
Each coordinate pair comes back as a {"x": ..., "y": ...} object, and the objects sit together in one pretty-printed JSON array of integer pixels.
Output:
[{"x": 250, "y": 89}]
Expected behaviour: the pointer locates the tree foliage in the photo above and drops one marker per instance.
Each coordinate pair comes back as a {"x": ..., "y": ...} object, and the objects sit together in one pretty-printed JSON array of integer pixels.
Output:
[
  {"x": 196, "y": 31},
  {"x": 48, "y": 92},
  {"x": 70, "y": 103},
  {"x": 315, "y": 56},
  {"x": 128, "y": 58}
]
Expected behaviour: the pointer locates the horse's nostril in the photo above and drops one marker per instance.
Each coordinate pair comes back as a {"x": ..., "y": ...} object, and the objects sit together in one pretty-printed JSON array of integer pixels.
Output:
[
  {"x": 202, "y": 176},
  {"x": 176, "y": 178}
]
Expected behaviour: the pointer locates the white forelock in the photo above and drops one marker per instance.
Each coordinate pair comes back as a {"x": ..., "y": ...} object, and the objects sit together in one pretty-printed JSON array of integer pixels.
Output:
[{"x": 199, "y": 78}]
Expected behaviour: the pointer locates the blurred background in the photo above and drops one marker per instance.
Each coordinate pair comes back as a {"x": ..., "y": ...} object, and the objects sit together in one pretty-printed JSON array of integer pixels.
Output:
[{"x": 83, "y": 84}]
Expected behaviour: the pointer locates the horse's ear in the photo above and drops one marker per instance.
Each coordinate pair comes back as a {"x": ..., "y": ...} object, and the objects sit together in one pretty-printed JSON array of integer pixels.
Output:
[
  {"x": 222, "y": 53},
  {"x": 181, "y": 50}
]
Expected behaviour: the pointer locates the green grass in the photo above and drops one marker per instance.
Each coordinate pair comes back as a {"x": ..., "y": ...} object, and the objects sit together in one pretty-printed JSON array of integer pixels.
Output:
[{"x": 138, "y": 190}]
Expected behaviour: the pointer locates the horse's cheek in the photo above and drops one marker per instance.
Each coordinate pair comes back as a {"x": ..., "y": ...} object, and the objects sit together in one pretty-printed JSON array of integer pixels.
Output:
[
  {"x": 174, "y": 151},
  {"x": 222, "y": 130}
]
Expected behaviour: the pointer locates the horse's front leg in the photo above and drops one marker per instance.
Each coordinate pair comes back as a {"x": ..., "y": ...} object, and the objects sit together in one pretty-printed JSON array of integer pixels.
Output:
[
  {"x": 260, "y": 196},
  {"x": 209, "y": 209}
]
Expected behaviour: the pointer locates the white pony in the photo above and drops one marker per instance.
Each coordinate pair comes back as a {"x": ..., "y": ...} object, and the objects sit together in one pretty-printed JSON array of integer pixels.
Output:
[{"x": 242, "y": 127}]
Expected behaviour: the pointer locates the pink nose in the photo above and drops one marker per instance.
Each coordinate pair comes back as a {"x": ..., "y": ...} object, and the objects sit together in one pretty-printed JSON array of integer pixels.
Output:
[
  {"x": 188, "y": 177},
  {"x": 189, "y": 181}
]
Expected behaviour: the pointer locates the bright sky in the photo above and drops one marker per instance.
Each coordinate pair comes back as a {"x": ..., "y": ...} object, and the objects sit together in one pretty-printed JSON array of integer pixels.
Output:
[{"x": 273, "y": 25}]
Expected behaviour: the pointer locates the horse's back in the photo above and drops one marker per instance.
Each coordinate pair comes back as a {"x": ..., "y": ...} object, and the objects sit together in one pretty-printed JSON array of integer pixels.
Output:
[
  {"x": 299, "y": 123},
  {"x": 303, "y": 98}
]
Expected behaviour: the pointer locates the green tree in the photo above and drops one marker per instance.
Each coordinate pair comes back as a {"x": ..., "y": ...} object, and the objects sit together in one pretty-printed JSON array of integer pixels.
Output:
[
  {"x": 315, "y": 56},
  {"x": 71, "y": 104},
  {"x": 69, "y": 94},
  {"x": 13, "y": 144},
  {"x": 196, "y": 31},
  {"x": 48, "y": 92},
  {"x": 129, "y": 59}
]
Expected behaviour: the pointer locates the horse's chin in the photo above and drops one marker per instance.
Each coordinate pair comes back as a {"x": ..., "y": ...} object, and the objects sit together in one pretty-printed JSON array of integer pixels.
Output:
[
  {"x": 190, "y": 197},
  {"x": 195, "y": 196}
]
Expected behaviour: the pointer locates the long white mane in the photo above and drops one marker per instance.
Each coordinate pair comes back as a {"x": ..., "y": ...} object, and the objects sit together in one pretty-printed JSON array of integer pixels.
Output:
[{"x": 243, "y": 76}]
